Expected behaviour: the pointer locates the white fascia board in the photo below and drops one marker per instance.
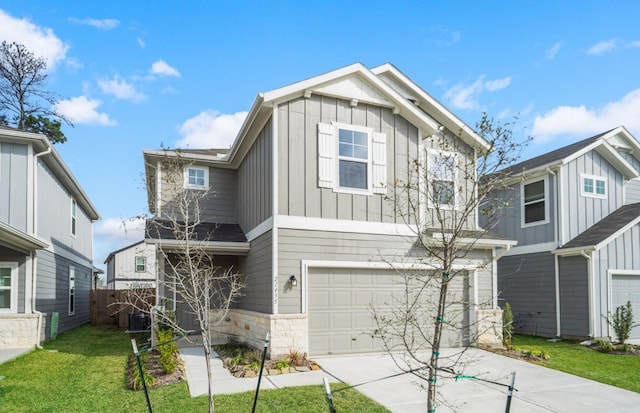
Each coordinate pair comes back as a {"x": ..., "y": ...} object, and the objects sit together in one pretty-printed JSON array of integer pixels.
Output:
[
  {"x": 531, "y": 249},
  {"x": 154, "y": 154},
  {"x": 215, "y": 246},
  {"x": 345, "y": 226},
  {"x": 14, "y": 236},
  {"x": 563, "y": 252},
  {"x": 619, "y": 232},
  {"x": 612, "y": 156},
  {"x": 473, "y": 139}
]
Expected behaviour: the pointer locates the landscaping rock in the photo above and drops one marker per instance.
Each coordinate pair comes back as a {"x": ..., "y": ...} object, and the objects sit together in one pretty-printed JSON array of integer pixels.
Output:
[
  {"x": 273, "y": 372},
  {"x": 250, "y": 374},
  {"x": 302, "y": 369}
]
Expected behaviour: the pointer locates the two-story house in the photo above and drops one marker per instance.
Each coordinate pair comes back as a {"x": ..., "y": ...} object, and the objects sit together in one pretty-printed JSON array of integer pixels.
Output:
[
  {"x": 575, "y": 214},
  {"x": 133, "y": 266},
  {"x": 304, "y": 207},
  {"x": 46, "y": 242}
]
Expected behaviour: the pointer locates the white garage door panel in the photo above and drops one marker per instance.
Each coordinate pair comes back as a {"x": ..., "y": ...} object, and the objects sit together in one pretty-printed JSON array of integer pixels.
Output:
[{"x": 627, "y": 288}]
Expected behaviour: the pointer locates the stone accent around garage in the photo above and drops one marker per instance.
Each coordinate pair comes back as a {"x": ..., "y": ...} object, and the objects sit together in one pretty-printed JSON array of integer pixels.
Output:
[
  {"x": 18, "y": 330},
  {"x": 489, "y": 327},
  {"x": 287, "y": 331}
]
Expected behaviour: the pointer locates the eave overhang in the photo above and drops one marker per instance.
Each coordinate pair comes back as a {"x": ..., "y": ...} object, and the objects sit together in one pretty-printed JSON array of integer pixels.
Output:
[{"x": 14, "y": 238}]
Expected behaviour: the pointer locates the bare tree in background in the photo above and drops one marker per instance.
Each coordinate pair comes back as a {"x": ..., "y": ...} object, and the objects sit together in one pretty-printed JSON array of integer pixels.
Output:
[
  {"x": 190, "y": 271},
  {"x": 24, "y": 101},
  {"x": 448, "y": 186}
]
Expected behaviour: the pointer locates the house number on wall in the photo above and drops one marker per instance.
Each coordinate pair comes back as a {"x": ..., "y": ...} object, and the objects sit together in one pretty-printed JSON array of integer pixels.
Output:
[{"x": 275, "y": 290}]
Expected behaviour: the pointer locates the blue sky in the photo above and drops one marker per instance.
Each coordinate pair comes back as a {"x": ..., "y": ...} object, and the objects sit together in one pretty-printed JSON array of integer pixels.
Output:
[{"x": 136, "y": 76}]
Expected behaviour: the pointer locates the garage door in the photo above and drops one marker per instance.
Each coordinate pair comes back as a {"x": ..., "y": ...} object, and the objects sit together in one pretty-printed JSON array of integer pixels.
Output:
[
  {"x": 340, "y": 309},
  {"x": 627, "y": 288}
]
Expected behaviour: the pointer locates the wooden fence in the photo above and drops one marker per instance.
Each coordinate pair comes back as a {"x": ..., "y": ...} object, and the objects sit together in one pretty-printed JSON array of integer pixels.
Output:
[{"x": 113, "y": 306}]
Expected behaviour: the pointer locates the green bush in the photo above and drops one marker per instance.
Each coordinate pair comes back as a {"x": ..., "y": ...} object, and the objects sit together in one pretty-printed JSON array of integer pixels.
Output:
[
  {"x": 622, "y": 322},
  {"x": 605, "y": 346},
  {"x": 137, "y": 380},
  {"x": 507, "y": 326},
  {"x": 168, "y": 350},
  {"x": 283, "y": 364}
]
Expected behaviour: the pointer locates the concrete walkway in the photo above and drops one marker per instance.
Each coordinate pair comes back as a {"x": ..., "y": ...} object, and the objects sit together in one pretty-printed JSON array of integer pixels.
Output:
[
  {"x": 7, "y": 354},
  {"x": 539, "y": 389}
]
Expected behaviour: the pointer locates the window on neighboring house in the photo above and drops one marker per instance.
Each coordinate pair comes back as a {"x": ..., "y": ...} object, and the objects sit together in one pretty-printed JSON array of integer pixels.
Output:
[
  {"x": 196, "y": 177},
  {"x": 74, "y": 215},
  {"x": 72, "y": 290},
  {"x": 534, "y": 202},
  {"x": 141, "y": 264},
  {"x": 594, "y": 186},
  {"x": 351, "y": 159},
  {"x": 441, "y": 178},
  {"x": 8, "y": 287}
]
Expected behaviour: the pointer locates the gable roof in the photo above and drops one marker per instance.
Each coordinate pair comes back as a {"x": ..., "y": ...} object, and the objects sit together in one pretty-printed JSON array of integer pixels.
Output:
[
  {"x": 604, "y": 231},
  {"x": 113, "y": 253},
  {"x": 599, "y": 142},
  {"x": 213, "y": 236},
  {"x": 54, "y": 161}
]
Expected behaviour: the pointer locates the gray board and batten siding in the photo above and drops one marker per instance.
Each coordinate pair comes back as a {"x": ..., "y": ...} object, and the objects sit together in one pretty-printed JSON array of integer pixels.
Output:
[
  {"x": 527, "y": 283},
  {"x": 255, "y": 181},
  {"x": 257, "y": 269},
  {"x": 574, "y": 296},
  {"x": 13, "y": 181}
]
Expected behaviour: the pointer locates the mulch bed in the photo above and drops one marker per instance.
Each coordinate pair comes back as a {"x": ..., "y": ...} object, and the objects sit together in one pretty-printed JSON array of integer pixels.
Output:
[{"x": 161, "y": 378}]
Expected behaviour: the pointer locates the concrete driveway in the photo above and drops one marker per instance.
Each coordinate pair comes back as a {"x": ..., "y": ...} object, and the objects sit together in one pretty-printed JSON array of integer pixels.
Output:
[{"x": 539, "y": 389}]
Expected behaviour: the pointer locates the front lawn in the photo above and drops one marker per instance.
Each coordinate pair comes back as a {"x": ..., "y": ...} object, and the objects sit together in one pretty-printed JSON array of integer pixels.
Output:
[
  {"x": 84, "y": 371},
  {"x": 570, "y": 357}
]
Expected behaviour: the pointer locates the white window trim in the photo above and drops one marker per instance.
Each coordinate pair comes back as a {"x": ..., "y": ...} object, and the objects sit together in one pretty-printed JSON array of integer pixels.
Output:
[
  {"x": 197, "y": 187},
  {"x": 369, "y": 131},
  {"x": 13, "y": 305},
  {"x": 546, "y": 202},
  {"x": 73, "y": 229},
  {"x": 72, "y": 269},
  {"x": 456, "y": 197},
  {"x": 593, "y": 194},
  {"x": 144, "y": 263}
]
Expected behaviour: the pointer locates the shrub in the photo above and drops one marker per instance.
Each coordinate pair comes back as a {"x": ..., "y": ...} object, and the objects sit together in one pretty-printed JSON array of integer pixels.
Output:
[
  {"x": 136, "y": 384},
  {"x": 507, "y": 326},
  {"x": 626, "y": 347},
  {"x": 622, "y": 322},
  {"x": 605, "y": 346},
  {"x": 295, "y": 357},
  {"x": 282, "y": 364},
  {"x": 167, "y": 349}
]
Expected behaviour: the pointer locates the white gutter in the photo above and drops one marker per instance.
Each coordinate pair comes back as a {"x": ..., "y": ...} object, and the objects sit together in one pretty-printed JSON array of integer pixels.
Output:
[
  {"x": 34, "y": 256},
  {"x": 557, "y": 284}
]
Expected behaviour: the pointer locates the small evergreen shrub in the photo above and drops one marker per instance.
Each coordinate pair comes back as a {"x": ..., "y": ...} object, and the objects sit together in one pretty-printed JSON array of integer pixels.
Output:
[
  {"x": 137, "y": 380},
  {"x": 622, "y": 322},
  {"x": 167, "y": 349}
]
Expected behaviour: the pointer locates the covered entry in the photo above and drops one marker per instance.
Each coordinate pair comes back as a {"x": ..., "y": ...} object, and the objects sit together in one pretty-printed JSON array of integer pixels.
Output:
[{"x": 340, "y": 303}]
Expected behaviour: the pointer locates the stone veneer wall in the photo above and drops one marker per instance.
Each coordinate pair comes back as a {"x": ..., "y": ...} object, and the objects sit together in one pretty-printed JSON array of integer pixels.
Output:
[
  {"x": 18, "y": 330},
  {"x": 287, "y": 331},
  {"x": 489, "y": 327}
]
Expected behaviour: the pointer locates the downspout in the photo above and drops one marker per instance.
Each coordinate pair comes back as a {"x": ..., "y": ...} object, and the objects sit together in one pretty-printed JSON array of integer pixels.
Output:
[
  {"x": 34, "y": 257},
  {"x": 591, "y": 293},
  {"x": 557, "y": 283},
  {"x": 558, "y": 237}
]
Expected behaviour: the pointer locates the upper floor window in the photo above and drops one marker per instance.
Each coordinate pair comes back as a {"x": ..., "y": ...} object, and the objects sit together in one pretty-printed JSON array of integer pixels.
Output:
[
  {"x": 534, "y": 195},
  {"x": 74, "y": 216},
  {"x": 72, "y": 290},
  {"x": 141, "y": 264},
  {"x": 351, "y": 159},
  {"x": 593, "y": 186},
  {"x": 196, "y": 177},
  {"x": 8, "y": 287},
  {"x": 441, "y": 178}
]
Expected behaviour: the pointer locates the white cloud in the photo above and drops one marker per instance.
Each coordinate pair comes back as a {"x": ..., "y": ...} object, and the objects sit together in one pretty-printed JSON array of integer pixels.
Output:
[
  {"x": 634, "y": 44},
  {"x": 121, "y": 89},
  {"x": 113, "y": 234},
  {"x": 210, "y": 129},
  {"x": 583, "y": 121},
  {"x": 162, "y": 68},
  {"x": 102, "y": 24},
  {"x": 602, "y": 47},
  {"x": 82, "y": 110},
  {"x": 41, "y": 41},
  {"x": 463, "y": 96},
  {"x": 553, "y": 51},
  {"x": 141, "y": 43}
]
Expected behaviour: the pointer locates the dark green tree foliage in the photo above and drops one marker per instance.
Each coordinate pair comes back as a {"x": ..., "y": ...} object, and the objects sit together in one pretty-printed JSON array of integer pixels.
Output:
[{"x": 24, "y": 102}]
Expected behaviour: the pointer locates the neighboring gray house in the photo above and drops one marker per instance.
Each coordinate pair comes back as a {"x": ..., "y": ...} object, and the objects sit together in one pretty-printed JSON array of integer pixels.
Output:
[
  {"x": 46, "y": 242},
  {"x": 576, "y": 219},
  {"x": 310, "y": 226},
  {"x": 133, "y": 266}
]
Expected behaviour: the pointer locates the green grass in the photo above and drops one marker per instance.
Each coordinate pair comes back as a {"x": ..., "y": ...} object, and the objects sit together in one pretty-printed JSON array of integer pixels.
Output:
[
  {"x": 87, "y": 374},
  {"x": 570, "y": 357}
]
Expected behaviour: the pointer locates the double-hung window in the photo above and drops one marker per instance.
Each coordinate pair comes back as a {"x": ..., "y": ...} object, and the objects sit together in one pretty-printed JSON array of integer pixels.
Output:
[
  {"x": 141, "y": 264},
  {"x": 534, "y": 202},
  {"x": 8, "y": 287},
  {"x": 441, "y": 178},
  {"x": 72, "y": 290},
  {"x": 351, "y": 159},
  {"x": 196, "y": 177},
  {"x": 593, "y": 186},
  {"x": 74, "y": 217}
]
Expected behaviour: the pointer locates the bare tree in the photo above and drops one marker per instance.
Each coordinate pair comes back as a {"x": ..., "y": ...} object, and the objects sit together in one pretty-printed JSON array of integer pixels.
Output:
[
  {"x": 189, "y": 271},
  {"x": 447, "y": 187},
  {"x": 25, "y": 102}
]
